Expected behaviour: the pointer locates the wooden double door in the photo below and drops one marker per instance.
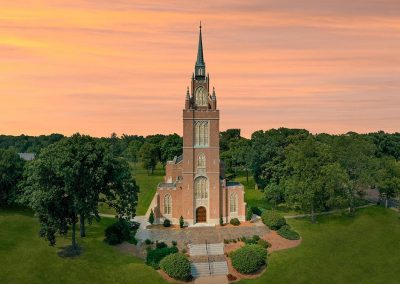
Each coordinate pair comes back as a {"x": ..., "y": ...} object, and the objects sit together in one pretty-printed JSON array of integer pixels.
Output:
[{"x": 201, "y": 215}]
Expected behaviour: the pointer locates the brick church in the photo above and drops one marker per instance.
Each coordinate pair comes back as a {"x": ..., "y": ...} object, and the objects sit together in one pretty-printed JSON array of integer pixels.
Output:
[{"x": 194, "y": 186}]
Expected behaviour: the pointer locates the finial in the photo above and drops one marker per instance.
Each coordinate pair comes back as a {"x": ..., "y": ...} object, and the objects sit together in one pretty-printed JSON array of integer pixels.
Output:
[
  {"x": 187, "y": 93},
  {"x": 200, "y": 25}
]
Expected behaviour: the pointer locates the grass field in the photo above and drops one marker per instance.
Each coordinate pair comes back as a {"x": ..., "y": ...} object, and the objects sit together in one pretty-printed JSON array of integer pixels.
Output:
[
  {"x": 148, "y": 187},
  {"x": 338, "y": 249},
  {"x": 26, "y": 258},
  {"x": 341, "y": 249}
]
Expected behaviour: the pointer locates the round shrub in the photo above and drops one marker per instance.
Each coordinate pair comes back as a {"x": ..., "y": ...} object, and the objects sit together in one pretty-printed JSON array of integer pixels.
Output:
[
  {"x": 117, "y": 232},
  {"x": 177, "y": 266},
  {"x": 235, "y": 222},
  {"x": 154, "y": 256},
  {"x": 265, "y": 244},
  {"x": 167, "y": 223},
  {"x": 273, "y": 219},
  {"x": 249, "y": 258},
  {"x": 286, "y": 232}
]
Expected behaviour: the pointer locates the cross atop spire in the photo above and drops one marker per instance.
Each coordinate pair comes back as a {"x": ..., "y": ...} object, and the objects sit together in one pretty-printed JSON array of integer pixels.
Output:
[{"x": 200, "y": 64}]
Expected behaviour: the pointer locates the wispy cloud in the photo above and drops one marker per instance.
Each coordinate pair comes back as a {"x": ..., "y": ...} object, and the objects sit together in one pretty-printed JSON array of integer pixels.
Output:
[{"x": 98, "y": 66}]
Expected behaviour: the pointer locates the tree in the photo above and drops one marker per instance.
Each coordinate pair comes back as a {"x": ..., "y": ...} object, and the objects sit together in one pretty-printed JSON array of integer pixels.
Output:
[
  {"x": 355, "y": 154},
  {"x": 151, "y": 217},
  {"x": 11, "y": 168},
  {"x": 149, "y": 157},
  {"x": 64, "y": 183},
  {"x": 388, "y": 178},
  {"x": 306, "y": 162},
  {"x": 171, "y": 146}
]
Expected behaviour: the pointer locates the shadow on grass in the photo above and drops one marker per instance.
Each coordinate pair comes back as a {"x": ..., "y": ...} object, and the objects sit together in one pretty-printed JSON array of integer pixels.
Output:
[{"x": 70, "y": 252}]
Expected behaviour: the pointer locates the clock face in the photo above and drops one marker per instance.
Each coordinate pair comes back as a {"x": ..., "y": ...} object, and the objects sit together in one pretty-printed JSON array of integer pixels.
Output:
[{"x": 201, "y": 96}]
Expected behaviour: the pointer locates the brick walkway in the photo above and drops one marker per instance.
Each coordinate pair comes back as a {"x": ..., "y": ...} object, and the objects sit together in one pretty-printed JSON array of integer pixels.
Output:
[{"x": 199, "y": 235}]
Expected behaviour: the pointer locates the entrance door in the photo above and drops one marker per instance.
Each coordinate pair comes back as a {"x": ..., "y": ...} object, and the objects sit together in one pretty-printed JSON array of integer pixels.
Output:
[{"x": 201, "y": 216}]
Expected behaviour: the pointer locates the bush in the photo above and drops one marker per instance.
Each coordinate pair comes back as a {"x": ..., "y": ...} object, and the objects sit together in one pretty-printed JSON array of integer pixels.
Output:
[
  {"x": 174, "y": 243},
  {"x": 181, "y": 222},
  {"x": 249, "y": 214},
  {"x": 117, "y": 232},
  {"x": 256, "y": 210},
  {"x": 154, "y": 256},
  {"x": 151, "y": 217},
  {"x": 221, "y": 221},
  {"x": 177, "y": 266},
  {"x": 286, "y": 232},
  {"x": 235, "y": 222},
  {"x": 167, "y": 223},
  {"x": 273, "y": 219},
  {"x": 256, "y": 237},
  {"x": 148, "y": 242},
  {"x": 161, "y": 245},
  {"x": 226, "y": 241},
  {"x": 265, "y": 244},
  {"x": 249, "y": 258}
]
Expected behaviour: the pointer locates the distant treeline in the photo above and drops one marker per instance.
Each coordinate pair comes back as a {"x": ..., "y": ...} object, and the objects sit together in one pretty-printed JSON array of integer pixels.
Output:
[{"x": 314, "y": 172}]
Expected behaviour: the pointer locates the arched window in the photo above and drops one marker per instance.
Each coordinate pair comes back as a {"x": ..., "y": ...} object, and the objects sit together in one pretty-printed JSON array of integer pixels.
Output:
[
  {"x": 201, "y": 133},
  {"x": 233, "y": 201},
  {"x": 201, "y": 188},
  {"x": 201, "y": 163},
  {"x": 167, "y": 204},
  {"x": 201, "y": 96}
]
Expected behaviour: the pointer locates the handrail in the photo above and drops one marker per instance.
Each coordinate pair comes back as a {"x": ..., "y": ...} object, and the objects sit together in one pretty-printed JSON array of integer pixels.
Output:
[{"x": 208, "y": 259}]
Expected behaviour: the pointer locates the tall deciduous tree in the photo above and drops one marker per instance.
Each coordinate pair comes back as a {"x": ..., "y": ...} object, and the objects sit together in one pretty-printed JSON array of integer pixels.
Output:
[
  {"x": 171, "y": 146},
  {"x": 64, "y": 183},
  {"x": 388, "y": 178},
  {"x": 11, "y": 168},
  {"x": 355, "y": 154},
  {"x": 149, "y": 157}
]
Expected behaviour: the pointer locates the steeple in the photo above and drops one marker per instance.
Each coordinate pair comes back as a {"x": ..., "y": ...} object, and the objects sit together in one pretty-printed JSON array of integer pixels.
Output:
[{"x": 200, "y": 67}]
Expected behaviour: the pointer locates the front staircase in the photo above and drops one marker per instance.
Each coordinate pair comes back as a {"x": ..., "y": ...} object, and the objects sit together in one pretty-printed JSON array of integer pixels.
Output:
[{"x": 208, "y": 268}]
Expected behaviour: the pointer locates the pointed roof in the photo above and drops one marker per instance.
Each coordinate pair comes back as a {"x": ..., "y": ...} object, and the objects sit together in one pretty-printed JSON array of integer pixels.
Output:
[{"x": 200, "y": 57}]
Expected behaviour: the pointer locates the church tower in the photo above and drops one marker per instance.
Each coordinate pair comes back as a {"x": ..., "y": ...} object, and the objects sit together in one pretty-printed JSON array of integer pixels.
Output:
[
  {"x": 201, "y": 163},
  {"x": 194, "y": 186}
]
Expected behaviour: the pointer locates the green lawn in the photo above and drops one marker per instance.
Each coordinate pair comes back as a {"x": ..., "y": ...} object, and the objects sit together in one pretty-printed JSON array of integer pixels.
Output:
[
  {"x": 148, "y": 187},
  {"x": 338, "y": 249},
  {"x": 341, "y": 249},
  {"x": 26, "y": 258}
]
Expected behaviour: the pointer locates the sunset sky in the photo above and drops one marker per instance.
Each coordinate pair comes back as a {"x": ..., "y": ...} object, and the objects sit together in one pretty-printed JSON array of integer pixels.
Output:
[{"x": 101, "y": 66}]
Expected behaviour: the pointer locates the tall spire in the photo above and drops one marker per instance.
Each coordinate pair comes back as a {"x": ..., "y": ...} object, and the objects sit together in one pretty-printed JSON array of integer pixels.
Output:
[
  {"x": 200, "y": 58},
  {"x": 200, "y": 67}
]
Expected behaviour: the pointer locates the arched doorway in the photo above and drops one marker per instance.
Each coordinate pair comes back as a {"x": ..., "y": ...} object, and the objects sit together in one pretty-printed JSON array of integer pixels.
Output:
[{"x": 201, "y": 215}]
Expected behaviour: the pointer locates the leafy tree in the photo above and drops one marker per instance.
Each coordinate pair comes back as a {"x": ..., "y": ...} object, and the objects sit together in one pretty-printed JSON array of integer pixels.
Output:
[
  {"x": 355, "y": 154},
  {"x": 149, "y": 157},
  {"x": 388, "y": 179},
  {"x": 181, "y": 222},
  {"x": 267, "y": 154},
  {"x": 171, "y": 146},
  {"x": 64, "y": 183},
  {"x": 306, "y": 162},
  {"x": 11, "y": 168}
]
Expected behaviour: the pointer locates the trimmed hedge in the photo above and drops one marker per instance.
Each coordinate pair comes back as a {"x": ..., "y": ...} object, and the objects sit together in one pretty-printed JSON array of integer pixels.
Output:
[
  {"x": 273, "y": 219},
  {"x": 177, "y": 266},
  {"x": 117, "y": 232},
  {"x": 154, "y": 256},
  {"x": 286, "y": 232},
  {"x": 235, "y": 222},
  {"x": 249, "y": 258}
]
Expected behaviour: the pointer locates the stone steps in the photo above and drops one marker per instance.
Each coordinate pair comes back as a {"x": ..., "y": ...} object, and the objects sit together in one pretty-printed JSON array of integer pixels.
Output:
[
  {"x": 209, "y": 249},
  {"x": 205, "y": 269}
]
